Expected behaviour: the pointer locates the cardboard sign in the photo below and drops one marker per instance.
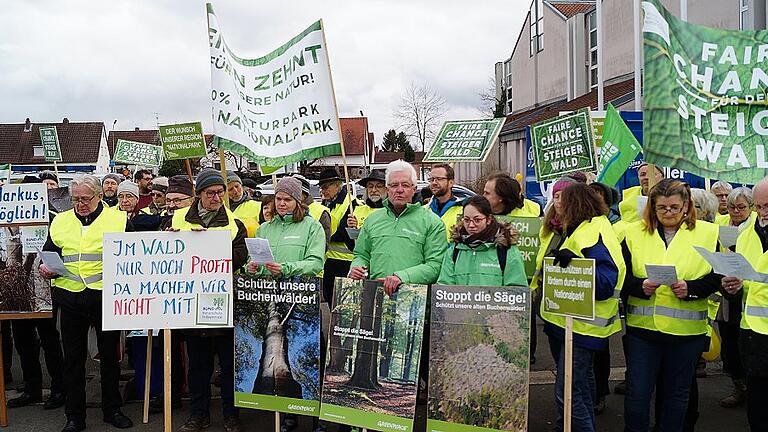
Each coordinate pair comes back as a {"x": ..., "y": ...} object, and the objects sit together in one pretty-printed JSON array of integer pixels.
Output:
[
  {"x": 23, "y": 204},
  {"x": 478, "y": 358},
  {"x": 183, "y": 141},
  {"x": 277, "y": 344},
  {"x": 563, "y": 145},
  {"x": 167, "y": 280},
  {"x": 465, "y": 140},
  {"x": 570, "y": 291},
  {"x": 374, "y": 349},
  {"x": 137, "y": 153},
  {"x": 50, "y": 140}
]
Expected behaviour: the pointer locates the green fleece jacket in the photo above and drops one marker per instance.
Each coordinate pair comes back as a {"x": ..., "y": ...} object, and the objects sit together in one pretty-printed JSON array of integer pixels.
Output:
[
  {"x": 298, "y": 246},
  {"x": 480, "y": 266},
  {"x": 410, "y": 246}
]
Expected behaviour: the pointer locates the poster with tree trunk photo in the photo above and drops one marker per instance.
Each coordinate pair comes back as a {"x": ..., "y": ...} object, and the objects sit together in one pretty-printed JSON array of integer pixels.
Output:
[
  {"x": 24, "y": 216},
  {"x": 478, "y": 359},
  {"x": 374, "y": 348},
  {"x": 277, "y": 344}
]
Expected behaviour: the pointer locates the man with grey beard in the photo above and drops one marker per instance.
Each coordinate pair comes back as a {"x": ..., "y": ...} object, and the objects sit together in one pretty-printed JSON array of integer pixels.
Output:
[{"x": 376, "y": 193}]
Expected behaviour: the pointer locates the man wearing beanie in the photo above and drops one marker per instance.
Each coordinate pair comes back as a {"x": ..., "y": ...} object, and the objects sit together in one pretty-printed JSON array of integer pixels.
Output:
[
  {"x": 208, "y": 212},
  {"x": 241, "y": 204},
  {"x": 50, "y": 179},
  {"x": 109, "y": 185},
  {"x": 128, "y": 198}
]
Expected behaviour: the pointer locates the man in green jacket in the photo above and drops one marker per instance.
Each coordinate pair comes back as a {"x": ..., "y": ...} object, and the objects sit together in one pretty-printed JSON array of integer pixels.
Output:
[{"x": 404, "y": 243}]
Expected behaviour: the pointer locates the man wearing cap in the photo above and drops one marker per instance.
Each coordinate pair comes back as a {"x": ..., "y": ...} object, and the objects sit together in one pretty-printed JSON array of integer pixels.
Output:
[
  {"x": 50, "y": 179},
  {"x": 375, "y": 194},
  {"x": 242, "y": 205},
  {"x": 77, "y": 235},
  {"x": 158, "y": 189},
  {"x": 207, "y": 212},
  {"x": 109, "y": 185},
  {"x": 628, "y": 207},
  {"x": 318, "y": 211},
  {"x": 339, "y": 254}
]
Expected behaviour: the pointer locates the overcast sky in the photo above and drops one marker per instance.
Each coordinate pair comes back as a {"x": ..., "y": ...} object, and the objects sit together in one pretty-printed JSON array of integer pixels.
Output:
[{"x": 126, "y": 60}]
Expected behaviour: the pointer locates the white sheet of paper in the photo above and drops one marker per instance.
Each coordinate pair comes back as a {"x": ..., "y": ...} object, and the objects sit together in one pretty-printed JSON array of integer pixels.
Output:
[
  {"x": 259, "y": 250},
  {"x": 642, "y": 201},
  {"x": 53, "y": 261},
  {"x": 732, "y": 264},
  {"x": 728, "y": 235},
  {"x": 661, "y": 274}
]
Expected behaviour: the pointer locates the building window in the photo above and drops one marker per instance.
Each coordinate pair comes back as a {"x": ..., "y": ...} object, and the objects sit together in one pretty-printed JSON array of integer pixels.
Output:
[
  {"x": 744, "y": 15},
  {"x": 592, "y": 28},
  {"x": 536, "y": 15},
  {"x": 38, "y": 151}
]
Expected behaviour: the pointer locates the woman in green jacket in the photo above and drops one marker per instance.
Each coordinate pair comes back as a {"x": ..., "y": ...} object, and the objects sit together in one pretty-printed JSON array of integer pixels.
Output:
[
  {"x": 297, "y": 242},
  {"x": 480, "y": 242}
]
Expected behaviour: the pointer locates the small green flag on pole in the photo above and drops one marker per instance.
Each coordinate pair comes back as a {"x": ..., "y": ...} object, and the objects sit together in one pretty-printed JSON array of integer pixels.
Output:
[{"x": 620, "y": 148}]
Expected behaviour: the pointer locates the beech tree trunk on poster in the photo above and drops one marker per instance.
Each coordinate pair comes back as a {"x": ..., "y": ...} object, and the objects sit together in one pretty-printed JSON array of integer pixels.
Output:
[
  {"x": 389, "y": 334},
  {"x": 275, "y": 375},
  {"x": 413, "y": 321},
  {"x": 366, "y": 357}
]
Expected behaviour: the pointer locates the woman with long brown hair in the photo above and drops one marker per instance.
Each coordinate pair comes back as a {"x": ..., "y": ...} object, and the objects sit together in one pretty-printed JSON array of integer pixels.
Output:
[{"x": 587, "y": 233}]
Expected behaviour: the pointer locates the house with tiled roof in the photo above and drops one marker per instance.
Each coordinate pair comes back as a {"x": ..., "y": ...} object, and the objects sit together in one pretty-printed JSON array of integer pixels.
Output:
[
  {"x": 83, "y": 146},
  {"x": 553, "y": 65},
  {"x": 359, "y": 148}
]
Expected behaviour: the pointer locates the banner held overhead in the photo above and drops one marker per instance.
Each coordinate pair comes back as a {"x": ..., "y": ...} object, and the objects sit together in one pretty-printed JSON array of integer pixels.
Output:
[{"x": 465, "y": 141}]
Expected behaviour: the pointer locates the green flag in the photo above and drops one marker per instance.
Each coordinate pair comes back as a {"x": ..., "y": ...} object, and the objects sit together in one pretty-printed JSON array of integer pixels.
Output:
[{"x": 619, "y": 148}]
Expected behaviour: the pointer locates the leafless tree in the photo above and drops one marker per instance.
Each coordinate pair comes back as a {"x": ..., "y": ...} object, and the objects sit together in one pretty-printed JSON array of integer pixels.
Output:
[
  {"x": 420, "y": 113},
  {"x": 489, "y": 104}
]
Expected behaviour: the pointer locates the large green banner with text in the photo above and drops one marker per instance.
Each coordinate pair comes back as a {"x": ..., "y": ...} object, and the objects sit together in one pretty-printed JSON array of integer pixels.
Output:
[{"x": 704, "y": 98}]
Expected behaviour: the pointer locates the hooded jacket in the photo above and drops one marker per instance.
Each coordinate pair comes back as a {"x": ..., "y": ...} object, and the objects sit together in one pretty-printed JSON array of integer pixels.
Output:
[{"x": 480, "y": 266}]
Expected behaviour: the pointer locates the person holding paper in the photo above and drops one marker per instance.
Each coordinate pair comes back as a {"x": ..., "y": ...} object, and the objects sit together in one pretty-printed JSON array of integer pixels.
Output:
[
  {"x": 753, "y": 339},
  {"x": 721, "y": 189},
  {"x": 375, "y": 194},
  {"x": 587, "y": 233},
  {"x": 241, "y": 204},
  {"x": 666, "y": 324},
  {"x": 77, "y": 236},
  {"x": 208, "y": 212},
  {"x": 483, "y": 251},
  {"x": 628, "y": 204}
]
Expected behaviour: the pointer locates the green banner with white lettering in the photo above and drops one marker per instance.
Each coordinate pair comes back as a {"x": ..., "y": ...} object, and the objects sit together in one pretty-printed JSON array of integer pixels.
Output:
[
  {"x": 563, "y": 145},
  {"x": 183, "y": 141},
  {"x": 704, "y": 98},
  {"x": 619, "y": 148},
  {"x": 528, "y": 240},
  {"x": 465, "y": 141},
  {"x": 569, "y": 291},
  {"x": 50, "y": 141},
  {"x": 138, "y": 153}
]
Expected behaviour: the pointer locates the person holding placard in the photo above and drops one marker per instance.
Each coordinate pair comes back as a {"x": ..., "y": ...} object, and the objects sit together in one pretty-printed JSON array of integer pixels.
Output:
[
  {"x": 721, "y": 189},
  {"x": 77, "y": 235},
  {"x": 587, "y": 233},
  {"x": 241, "y": 204},
  {"x": 208, "y": 212},
  {"x": 753, "y": 340},
  {"x": 297, "y": 241},
  {"x": 483, "y": 251},
  {"x": 666, "y": 322},
  {"x": 630, "y": 196}
]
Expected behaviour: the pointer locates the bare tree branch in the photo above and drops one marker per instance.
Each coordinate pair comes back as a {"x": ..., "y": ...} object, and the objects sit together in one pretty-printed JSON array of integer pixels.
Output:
[{"x": 420, "y": 112}]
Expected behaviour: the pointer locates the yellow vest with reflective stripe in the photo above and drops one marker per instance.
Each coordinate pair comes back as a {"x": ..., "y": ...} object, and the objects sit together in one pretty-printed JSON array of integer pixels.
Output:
[
  {"x": 754, "y": 315},
  {"x": 316, "y": 210},
  {"x": 545, "y": 240},
  {"x": 628, "y": 204},
  {"x": 339, "y": 250},
  {"x": 664, "y": 312},
  {"x": 179, "y": 222},
  {"x": 449, "y": 218},
  {"x": 606, "y": 320},
  {"x": 81, "y": 247},
  {"x": 529, "y": 209},
  {"x": 362, "y": 212},
  {"x": 248, "y": 213}
]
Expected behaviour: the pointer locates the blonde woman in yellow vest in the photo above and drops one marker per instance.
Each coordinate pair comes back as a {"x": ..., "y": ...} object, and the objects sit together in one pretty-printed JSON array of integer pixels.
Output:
[
  {"x": 753, "y": 340},
  {"x": 77, "y": 235},
  {"x": 666, "y": 324},
  {"x": 587, "y": 233}
]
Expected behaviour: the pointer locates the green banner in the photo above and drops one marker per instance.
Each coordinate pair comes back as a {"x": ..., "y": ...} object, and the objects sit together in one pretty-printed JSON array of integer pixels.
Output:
[
  {"x": 704, "y": 98},
  {"x": 465, "y": 140},
  {"x": 563, "y": 145},
  {"x": 619, "y": 149},
  {"x": 528, "y": 240},
  {"x": 138, "y": 153},
  {"x": 50, "y": 140},
  {"x": 183, "y": 141},
  {"x": 569, "y": 291},
  {"x": 374, "y": 348},
  {"x": 478, "y": 357}
]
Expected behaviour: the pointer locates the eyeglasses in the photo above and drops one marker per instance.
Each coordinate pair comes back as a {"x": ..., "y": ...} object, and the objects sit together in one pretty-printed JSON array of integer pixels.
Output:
[
  {"x": 219, "y": 193},
  {"x": 158, "y": 194},
  {"x": 437, "y": 179},
  {"x": 176, "y": 201},
  {"x": 475, "y": 221},
  {"x": 405, "y": 185},
  {"x": 671, "y": 210},
  {"x": 82, "y": 200},
  {"x": 761, "y": 208},
  {"x": 125, "y": 197},
  {"x": 740, "y": 208},
  {"x": 147, "y": 178}
]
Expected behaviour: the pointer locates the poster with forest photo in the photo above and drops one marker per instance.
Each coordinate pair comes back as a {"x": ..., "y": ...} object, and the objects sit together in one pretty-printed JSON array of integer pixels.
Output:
[
  {"x": 277, "y": 344},
  {"x": 22, "y": 289},
  {"x": 478, "y": 359},
  {"x": 374, "y": 348}
]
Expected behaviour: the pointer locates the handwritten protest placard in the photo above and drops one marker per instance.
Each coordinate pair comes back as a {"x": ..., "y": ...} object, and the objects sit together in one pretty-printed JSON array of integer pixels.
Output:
[
  {"x": 167, "y": 280},
  {"x": 23, "y": 204}
]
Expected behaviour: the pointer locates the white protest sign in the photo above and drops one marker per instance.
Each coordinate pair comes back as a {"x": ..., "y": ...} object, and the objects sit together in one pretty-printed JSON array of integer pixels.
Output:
[
  {"x": 167, "y": 280},
  {"x": 23, "y": 204},
  {"x": 33, "y": 238}
]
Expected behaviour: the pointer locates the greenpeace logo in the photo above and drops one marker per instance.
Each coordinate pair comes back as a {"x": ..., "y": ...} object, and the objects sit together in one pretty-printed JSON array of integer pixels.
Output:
[
  {"x": 392, "y": 426},
  {"x": 301, "y": 408},
  {"x": 491, "y": 265},
  {"x": 407, "y": 231}
]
